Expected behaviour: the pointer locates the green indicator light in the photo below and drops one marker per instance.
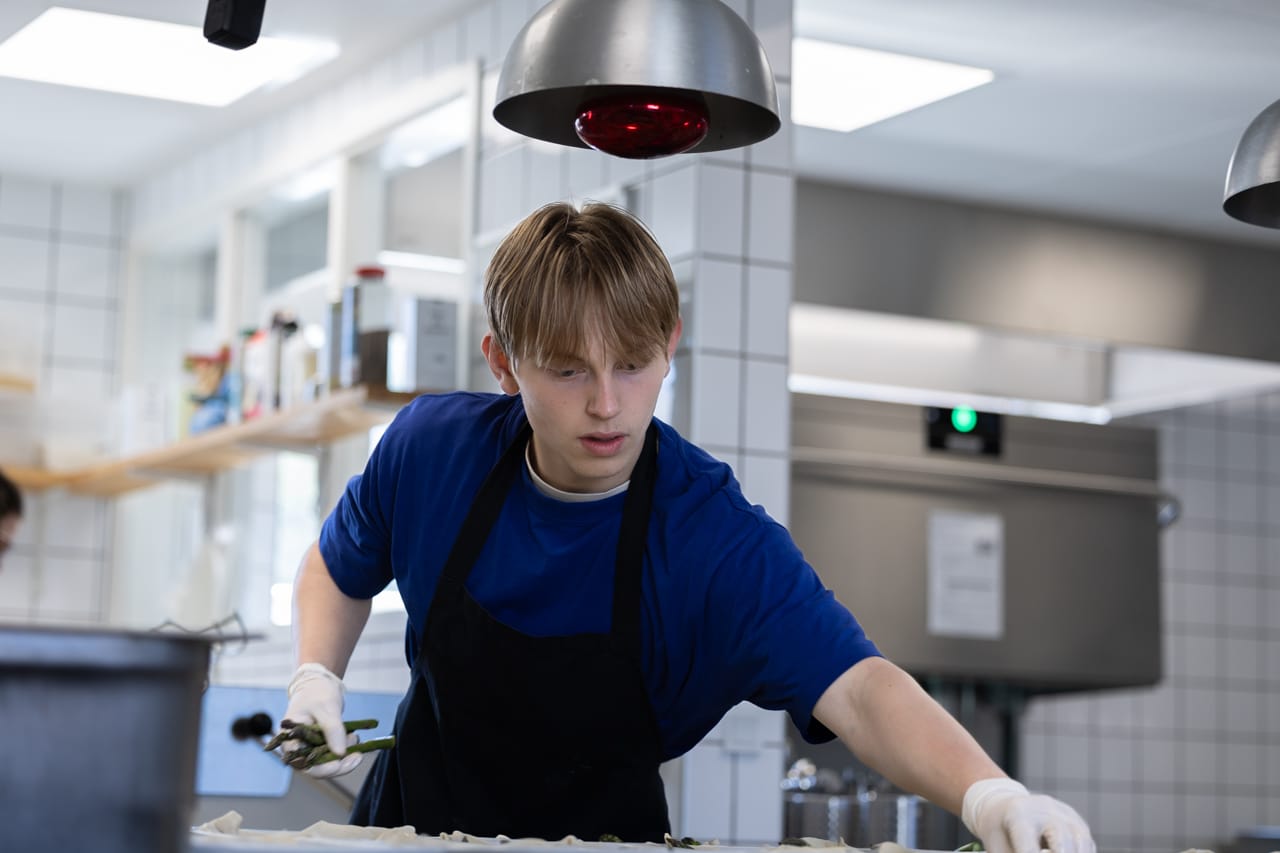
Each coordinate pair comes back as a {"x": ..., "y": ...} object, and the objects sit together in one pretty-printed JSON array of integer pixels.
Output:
[{"x": 964, "y": 419}]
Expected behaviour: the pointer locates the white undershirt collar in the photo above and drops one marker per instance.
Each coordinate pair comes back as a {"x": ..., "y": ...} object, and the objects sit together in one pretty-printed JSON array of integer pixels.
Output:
[{"x": 560, "y": 494}]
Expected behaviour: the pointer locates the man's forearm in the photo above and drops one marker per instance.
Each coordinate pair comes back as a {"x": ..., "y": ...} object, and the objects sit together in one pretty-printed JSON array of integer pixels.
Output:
[
  {"x": 894, "y": 727},
  {"x": 326, "y": 621}
]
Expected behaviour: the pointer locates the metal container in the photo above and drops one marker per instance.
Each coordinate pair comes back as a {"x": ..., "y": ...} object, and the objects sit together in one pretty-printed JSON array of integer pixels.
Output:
[
  {"x": 868, "y": 818},
  {"x": 98, "y": 733}
]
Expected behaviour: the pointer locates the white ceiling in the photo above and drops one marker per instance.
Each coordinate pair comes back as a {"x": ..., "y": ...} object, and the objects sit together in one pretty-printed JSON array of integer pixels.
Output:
[{"x": 1121, "y": 109}]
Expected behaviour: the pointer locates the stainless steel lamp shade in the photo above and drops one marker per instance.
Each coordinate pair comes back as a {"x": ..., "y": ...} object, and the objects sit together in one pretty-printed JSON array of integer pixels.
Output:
[
  {"x": 1253, "y": 177},
  {"x": 575, "y": 52}
]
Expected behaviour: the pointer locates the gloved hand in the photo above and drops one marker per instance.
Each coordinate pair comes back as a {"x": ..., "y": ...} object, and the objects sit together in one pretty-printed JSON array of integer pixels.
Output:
[
  {"x": 316, "y": 696},
  {"x": 1009, "y": 819}
]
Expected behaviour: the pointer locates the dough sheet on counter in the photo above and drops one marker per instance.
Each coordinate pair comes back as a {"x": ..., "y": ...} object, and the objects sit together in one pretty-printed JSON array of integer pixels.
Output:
[{"x": 227, "y": 833}]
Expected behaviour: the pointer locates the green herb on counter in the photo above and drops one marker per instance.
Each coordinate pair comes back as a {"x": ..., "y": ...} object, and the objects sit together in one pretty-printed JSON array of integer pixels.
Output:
[
  {"x": 685, "y": 843},
  {"x": 971, "y": 847},
  {"x": 612, "y": 839}
]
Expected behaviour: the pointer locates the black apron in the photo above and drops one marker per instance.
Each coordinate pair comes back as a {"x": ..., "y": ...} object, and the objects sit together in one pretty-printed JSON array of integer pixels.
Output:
[{"x": 504, "y": 733}]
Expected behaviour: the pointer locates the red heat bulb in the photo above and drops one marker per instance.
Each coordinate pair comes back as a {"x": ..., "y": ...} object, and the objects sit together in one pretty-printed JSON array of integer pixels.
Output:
[{"x": 639, "y": 128}]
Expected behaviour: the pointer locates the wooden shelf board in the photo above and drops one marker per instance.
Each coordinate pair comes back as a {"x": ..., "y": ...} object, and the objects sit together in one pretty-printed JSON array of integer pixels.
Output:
[
  {"x": 19, "y": 384},
  {"x": 303, "y": 427},
  {"x": 35, "y": 479}
]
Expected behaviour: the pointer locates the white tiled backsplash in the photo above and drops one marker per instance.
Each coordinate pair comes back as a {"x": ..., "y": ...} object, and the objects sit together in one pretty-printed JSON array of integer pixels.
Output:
[
  {"x": 61, "y": 248},
  {"x": 1196, "y": 759}
]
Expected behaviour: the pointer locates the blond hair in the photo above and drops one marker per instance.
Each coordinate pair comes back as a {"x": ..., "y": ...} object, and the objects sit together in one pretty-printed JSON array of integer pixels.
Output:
[{"x": 563, "y": 275}]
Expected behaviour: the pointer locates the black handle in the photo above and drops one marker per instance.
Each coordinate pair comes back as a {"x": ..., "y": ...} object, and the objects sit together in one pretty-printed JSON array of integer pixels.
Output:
[{"x": 255, "y": 726}]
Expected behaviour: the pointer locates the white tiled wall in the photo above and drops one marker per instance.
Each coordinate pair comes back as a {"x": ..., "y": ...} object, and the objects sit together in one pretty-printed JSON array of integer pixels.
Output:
[
  {"x": 1195, "y": 759},
  {"x": 61, "y": 250}
]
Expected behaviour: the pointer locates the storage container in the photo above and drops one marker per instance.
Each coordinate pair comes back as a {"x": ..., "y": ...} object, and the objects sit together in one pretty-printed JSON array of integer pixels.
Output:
[{"x": 98, "y": 733}]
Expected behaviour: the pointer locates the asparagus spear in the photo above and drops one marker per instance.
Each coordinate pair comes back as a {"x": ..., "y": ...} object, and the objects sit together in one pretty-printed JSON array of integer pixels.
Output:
[
  {"x": 314, "y": 750},
  {"x": 310, "y": 756},
  {"x": 311, "y": 733}
]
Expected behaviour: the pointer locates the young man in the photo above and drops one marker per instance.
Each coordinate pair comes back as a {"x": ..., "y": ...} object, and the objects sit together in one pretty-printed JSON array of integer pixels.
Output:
[
  {"x": 588, "y": 593},
  {"x": 10, "y": 513}
]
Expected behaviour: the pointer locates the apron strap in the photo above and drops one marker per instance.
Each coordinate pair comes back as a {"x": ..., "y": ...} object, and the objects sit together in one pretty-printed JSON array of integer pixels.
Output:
[
  {"x": 629, "y": 565},
  {"x": 485, "y": 510}
]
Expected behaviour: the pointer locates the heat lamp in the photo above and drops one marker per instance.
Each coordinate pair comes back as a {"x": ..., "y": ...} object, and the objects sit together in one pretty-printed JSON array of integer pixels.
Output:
[{"x": 638, "y": 78}]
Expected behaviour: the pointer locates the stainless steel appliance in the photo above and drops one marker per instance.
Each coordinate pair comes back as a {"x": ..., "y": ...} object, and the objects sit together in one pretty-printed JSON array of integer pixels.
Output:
[
  {"x": 1070, "y": 510},
  {"x": 991, "y": 577}
]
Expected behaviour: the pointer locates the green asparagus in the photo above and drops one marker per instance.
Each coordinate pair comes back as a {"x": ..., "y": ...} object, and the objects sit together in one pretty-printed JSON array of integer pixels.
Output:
[{"x": 313, "y": 749}]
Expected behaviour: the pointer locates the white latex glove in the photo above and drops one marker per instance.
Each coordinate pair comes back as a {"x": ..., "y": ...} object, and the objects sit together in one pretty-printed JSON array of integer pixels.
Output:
[
  {"x": 316, "y": 696},
  {"x": 1009, "y": 819}
]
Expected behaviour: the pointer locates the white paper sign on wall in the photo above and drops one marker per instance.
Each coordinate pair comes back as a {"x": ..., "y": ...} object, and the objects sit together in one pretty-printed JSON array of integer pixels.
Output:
[{"x": 966, "y": 574}]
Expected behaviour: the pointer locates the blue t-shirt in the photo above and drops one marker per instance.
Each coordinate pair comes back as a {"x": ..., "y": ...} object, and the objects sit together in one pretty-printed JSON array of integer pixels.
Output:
[{"x": 730, "y": 610}]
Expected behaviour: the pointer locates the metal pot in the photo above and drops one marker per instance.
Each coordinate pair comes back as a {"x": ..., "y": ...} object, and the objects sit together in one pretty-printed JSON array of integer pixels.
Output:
[{"x": 98, "y": 733}]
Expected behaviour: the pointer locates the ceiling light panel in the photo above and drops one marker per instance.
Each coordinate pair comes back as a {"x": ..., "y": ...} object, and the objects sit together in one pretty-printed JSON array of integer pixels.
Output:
[
  {"x": 153, "y": 59},
  {"x": 841, "y": 87}
]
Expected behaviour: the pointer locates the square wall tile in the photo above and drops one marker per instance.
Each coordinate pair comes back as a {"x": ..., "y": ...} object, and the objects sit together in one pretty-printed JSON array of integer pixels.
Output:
[
  {"x": 768, "y": 409},
  {"x": 1242, "y": 714},
  {"x": 1242, "y": 765},
  {"x": 543, "y": 166},
  {"x": 81, "y": 332},
  {"x": 1199, "y": 446},
  {"x": 26, "y": 202},
  {"x": 670, "y": 211},
  {"x": 1271, "y": 654},
  {"x": 1156, "y": 813},
  {"x": 716, "y": 321},
  {"x": 721, "y": 200},
  {"x": 771, "y": 21},
  {"x": 1198, "y": 764},
  {"x": 26, "y": 264},
  {"x": 479, "y": 34},
  {"x": 446, "y": 46},
  {"x": 1198, "y": 814},
  {"x": 1242, "y": 450},
  {"x": 1116, "y": 818},
  {"x": 411, "y": 64},
  {"x": 1241, "y": 503},
  {"x": 1156, "y": 760},
  {"x": 512, "y": 15},
  {"x": 15, "y": 584},
  {"x": 768, "y": 307},
  {"x": 1116, "y": 759},
  {"x": 1243, "y": 606},
  {"x": 1200, "y": 656},
  {"x": 1243, "y": 658},
  {"x": 1242, "y": 553},
  {"x": 1244, "y": 811},
  {"x": 501, "y": 190},
  {"x": 69, "y": 587},
  {"x": 777, "y": 151},
  {"x": 771, "y": 218},
  {"x": 1200, "y": 500},
  {"x": 88, "y": 271},
  {"x": 625, "y": 171},
  {"x": 766, "y": 480},
  {"x": 716, "y": 400},
  {"x": 80, "y": 522},
  {"x": 585, "y": 172},
  {"x": 1071, "y": 758}
]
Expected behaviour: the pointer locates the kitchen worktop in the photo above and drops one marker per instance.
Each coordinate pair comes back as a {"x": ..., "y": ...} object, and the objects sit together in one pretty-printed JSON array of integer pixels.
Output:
[{"x": 225, "y": 835}]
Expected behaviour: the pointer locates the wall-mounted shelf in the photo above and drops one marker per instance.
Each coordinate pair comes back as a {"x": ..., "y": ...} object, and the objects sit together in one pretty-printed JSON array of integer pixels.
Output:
[
  {"x": 15, "y": 384},
  {"x": 305, "y": 426}
]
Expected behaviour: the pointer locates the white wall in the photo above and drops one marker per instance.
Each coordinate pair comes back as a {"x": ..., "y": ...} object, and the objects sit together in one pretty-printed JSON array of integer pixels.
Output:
[
  {"x": 61, "y": 253},
  {"x": 1195, "y": 759}
]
